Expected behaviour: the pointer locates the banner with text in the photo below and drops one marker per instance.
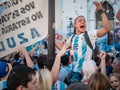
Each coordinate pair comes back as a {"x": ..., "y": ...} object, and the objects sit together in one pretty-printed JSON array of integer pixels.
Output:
[{"x": 22, "y": 22}]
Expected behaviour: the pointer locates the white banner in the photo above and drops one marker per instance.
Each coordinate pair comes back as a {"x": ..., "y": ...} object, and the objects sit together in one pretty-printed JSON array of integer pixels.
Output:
[{"x": 22, "y": 22}]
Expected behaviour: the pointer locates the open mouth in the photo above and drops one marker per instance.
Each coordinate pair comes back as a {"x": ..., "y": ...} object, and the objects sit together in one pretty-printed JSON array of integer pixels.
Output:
[{"x": 82, "y": 26}]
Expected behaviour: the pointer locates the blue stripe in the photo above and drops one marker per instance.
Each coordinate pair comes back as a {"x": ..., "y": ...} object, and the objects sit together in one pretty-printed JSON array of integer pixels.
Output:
[
  {"x": 75, "y": 48},
  {"x": 59, "y": 86},
  {"x": 84, "y": 49},
  {"x": 73, "y": 66},
  {"x": 62, "y": 86},
  {"x": 4, "y": 84}
]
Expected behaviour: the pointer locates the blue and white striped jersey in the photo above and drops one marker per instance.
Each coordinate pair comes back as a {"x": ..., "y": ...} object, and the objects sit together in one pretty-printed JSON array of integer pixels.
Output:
[
  {"x": 59, "y": 86},
  {"x": 3, "y": 85},
  {"x": 81, "y": 50}
]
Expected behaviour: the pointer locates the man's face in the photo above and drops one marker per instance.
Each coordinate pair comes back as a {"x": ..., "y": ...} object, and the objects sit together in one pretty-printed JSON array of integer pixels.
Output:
[
  {"x": 115, "y": 63},
  {"x": 32, "y": 85},
  {"x": 116, "y": 66},
  {"x": 80, "y": 25}
]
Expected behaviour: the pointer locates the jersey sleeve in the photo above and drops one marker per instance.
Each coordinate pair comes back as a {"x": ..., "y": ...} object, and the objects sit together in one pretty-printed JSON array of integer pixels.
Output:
[{"x": 92, "y": 34}]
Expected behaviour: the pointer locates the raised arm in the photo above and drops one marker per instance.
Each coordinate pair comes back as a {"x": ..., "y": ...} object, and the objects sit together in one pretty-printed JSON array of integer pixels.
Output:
[
  {"x": 59, "y": 44},
  {"x": 56, "y": 65},
  {"x": 103, "y": 62},
  {"x": 106, "y": 25},
  {"x": 23, "y": 51}
]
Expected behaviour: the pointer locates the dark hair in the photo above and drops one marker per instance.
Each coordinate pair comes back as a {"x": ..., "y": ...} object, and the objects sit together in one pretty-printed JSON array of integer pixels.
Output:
[
  {"x": 112, "y": 57},
  {"x": 17, "y": 55},
  {"x": 41, "y": 61},
  {"x": 19, "y": 75},
  {"x": 97, "y": 60},
  {"x": 15, "y": 64},
  {"x": 49, "y": 63},
  {"x": 78, "y": 86},
  {"x": 116, "y": 30},
  {"x": 65, "y": 60},
  {"x": 108, "y": 57},
  {"x": 118, "y": 55}
]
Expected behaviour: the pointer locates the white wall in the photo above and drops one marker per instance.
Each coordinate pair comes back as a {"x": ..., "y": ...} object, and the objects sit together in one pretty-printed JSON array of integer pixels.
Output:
[{"x": 72, "y": 9}]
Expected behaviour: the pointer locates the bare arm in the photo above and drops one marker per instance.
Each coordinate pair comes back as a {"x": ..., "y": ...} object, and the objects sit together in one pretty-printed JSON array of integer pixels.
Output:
[
  {"x": 58, "y": 44},
  {"x": 23, "y": 51},
  {"x": 103, "y": 63},
  {"x": 56, "y": 65},
  {"x": 106, "y": 25}
]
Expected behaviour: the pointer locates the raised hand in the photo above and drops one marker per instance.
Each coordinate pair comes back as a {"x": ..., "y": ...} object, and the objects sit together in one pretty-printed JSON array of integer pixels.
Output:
[
  {"x": 102, "y": 55},
  {"x": 98, "y": 5},
  {"x": 63, "y": 49},
  {"x": 42, "y": 47},
  {"x": 103, "y": 63},
  {"x": 22, "y": 50},
  {"x": 24, "y": 53}
]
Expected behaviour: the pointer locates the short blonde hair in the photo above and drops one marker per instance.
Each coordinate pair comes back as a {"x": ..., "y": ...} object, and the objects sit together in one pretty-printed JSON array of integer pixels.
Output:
[{"x": 44, "y": 79}]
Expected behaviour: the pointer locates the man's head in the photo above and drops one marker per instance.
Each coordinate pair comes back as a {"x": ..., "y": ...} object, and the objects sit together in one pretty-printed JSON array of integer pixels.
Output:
[
  {"x": 22, "y": 77},
  {"x": 116, "y": 65},
  {"x": 80, "y": 24}
]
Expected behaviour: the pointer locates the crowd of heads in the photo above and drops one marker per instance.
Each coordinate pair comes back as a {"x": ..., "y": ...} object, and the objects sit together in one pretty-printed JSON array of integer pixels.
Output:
[{"x": 40, "y": 78}]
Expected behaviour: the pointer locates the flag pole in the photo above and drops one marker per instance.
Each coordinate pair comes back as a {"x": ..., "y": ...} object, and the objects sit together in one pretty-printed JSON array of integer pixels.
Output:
[{"x": 51, "y": 28}]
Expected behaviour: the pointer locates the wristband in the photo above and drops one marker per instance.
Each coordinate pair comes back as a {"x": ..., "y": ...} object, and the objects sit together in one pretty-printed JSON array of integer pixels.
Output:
[{"x": 101, "y": 11}]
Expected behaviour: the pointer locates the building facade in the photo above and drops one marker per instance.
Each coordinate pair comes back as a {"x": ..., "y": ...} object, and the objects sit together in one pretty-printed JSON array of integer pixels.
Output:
[{"x": 70, "y": 9}]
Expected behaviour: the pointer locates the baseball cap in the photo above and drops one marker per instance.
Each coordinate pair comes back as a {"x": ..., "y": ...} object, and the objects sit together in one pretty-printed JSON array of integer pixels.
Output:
[{"x": 4, "y": 69}]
